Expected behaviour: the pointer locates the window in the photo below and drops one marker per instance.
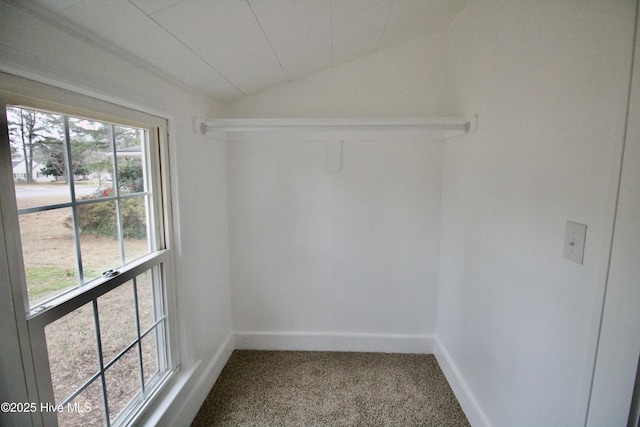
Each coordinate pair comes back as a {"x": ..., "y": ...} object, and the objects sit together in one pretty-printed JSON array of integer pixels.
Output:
[{"x": 91, "y": 228}]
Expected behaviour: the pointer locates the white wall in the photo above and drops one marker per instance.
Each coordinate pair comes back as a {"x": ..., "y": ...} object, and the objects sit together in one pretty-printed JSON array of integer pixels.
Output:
[
  {"x": 36, "y": 46},
  {"x": 405, "y": 81},
  {"x": 345, "y": 261},
  {"x": 322, "y": 255},
  {"x": 516, "y": 321}
]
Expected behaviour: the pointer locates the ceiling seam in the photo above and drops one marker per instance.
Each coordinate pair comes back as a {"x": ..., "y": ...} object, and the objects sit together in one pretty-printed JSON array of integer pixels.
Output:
[
  {"x": 164, "y": 8},
  {"x": 187, "y": 46},
  {"x": 384, "y": 30},
  {"x": 268, "y": 42},
  {"x": 69, "y": 7},
  {"x": 331, "y": 26}
]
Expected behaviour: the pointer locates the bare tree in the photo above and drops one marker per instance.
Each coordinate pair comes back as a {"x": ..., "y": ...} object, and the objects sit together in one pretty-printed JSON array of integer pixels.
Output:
[{"x": 26, "y": 126}]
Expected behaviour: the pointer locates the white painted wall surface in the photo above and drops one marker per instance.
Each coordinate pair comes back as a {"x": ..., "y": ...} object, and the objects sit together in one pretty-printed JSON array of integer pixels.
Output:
[
  {"x": 345, "y": 261},
  {"x": 37, "y": 47},
  {"x": 405, "y": 81},
  {"x": 619, "y": 348},
  {"x": 516, "y": 319},
  {"x": 350, "y": 253}
]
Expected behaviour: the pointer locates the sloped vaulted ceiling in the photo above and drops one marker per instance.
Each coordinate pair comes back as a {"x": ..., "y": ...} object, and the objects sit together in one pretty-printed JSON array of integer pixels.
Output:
[{"x": 228, "y": 49}]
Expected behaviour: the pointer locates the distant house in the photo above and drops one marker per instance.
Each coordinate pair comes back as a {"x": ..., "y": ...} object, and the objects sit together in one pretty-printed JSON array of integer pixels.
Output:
[
  {"x": 130, "y": 152},
  {"x": 20, "y": 171}
]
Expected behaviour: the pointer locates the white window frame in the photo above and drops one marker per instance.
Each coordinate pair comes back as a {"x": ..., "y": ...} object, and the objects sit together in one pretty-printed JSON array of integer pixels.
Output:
[{"x": 29, "y": 323}]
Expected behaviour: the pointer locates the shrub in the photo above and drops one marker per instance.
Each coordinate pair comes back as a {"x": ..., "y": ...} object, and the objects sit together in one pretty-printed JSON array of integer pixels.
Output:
[
  {"x": 130, "y": 177},
  {"x": 134, "y": 220},
  {"x": 100, "y": 219}
]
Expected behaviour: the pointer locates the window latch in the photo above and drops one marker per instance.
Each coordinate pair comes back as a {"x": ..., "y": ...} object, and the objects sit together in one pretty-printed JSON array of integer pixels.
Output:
[{"x": 110, "y": 273}]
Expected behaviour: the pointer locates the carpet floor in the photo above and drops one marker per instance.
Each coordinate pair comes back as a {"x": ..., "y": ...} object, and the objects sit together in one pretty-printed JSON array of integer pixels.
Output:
[{"x": 290, "y": 388}]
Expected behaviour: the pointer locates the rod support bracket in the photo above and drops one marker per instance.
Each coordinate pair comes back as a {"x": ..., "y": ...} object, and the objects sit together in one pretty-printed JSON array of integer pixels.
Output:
[{"x": 199, "y": 126}]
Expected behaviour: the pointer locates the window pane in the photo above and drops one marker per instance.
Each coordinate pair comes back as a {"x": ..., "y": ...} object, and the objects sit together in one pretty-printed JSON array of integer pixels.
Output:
[
  {"x": 133, "y": 212},
  {"x": 116, "y": 311},
  {"x": 145, "y": 300},
  {"x": 99, "y": 245},
  {"x": 72, "y": 350},
  {"x": 123, "y": 382},
  {"x": 92, "y": 158},
  {"x": 48, "y": 249},
  {"x": 129, "y": 151},
  {"x": 87, "y": 409},
  {"x": 38, "y": 159},
  {"x": 84, "y": 200},
  {"x": 149, "y": 356},
  {"x": 41, "y": 194}
]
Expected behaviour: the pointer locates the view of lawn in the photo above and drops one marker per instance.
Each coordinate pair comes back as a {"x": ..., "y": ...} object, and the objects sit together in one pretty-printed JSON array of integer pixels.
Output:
[
  {"x": 48, "y": 244},
  {"x": 51, "y": 268},
  {"x": 49, "y": 280},
  {"x": 98, "y": 351}
]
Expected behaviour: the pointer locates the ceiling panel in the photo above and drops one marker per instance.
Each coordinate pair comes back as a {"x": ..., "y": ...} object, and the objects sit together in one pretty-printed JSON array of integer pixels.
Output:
[
  {"x": 252, "y": 82},
  {"x": 355, "y": 48},
  {"x": 228, "y": 37},
  {"x": 411, "y": 10},
  {"x": 284, "y": 18},
  {"x": 121, "y": 23},
  {"x": 410, "y": 19},
  {"x": 305, "y": 51},
  {"x": 301, "y": 67},
  {"x": 57, "y": 6},
  {"x": 153, "y": 6},
  {"x": 298, "y": 32},
  {"x": 249, "y": 54},
  {"x": 396, "y": 34},
  {"x": 202, "y": 22},
  {"x": 298, "y": 65},
  {"x": 358, "y": 19}
]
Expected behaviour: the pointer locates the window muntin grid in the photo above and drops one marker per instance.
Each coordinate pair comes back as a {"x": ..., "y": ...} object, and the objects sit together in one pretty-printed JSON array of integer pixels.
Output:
[
  {"x": 77, "y": 151},
  {"x": 118, "y": 395},
  {"x": 152, "y": 262}
]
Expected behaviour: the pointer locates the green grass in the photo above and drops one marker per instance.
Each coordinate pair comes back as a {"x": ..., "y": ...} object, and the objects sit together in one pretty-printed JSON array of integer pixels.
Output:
[{"x": 49, "y": 279}]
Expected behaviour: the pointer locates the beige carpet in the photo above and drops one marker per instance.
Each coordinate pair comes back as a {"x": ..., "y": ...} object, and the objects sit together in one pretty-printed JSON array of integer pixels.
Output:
[{"x": 277, "y": 388}]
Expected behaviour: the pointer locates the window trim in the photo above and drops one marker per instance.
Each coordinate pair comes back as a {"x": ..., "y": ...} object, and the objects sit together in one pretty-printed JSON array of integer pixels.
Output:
[{"x": 30, "y": 323}]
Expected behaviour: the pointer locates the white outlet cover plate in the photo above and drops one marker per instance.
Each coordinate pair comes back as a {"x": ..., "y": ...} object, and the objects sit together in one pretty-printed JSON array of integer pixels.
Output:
[{"x": 574, "y": 239}]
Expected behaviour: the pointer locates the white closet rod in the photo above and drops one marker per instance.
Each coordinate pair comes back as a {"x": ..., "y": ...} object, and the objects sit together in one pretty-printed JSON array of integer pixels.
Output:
[{"x": 404, "y": 124}]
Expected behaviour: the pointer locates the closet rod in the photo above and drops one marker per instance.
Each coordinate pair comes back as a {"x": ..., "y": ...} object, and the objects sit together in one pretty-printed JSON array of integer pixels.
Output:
[{"x": 314, "y": 125}]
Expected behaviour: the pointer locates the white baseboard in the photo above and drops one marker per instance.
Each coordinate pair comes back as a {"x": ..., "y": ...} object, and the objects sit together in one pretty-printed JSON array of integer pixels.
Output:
[
  {"x": 180, "y": 405},
  {"x": 314, "y": 341},
  {"x": 468, "y": 403}
]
